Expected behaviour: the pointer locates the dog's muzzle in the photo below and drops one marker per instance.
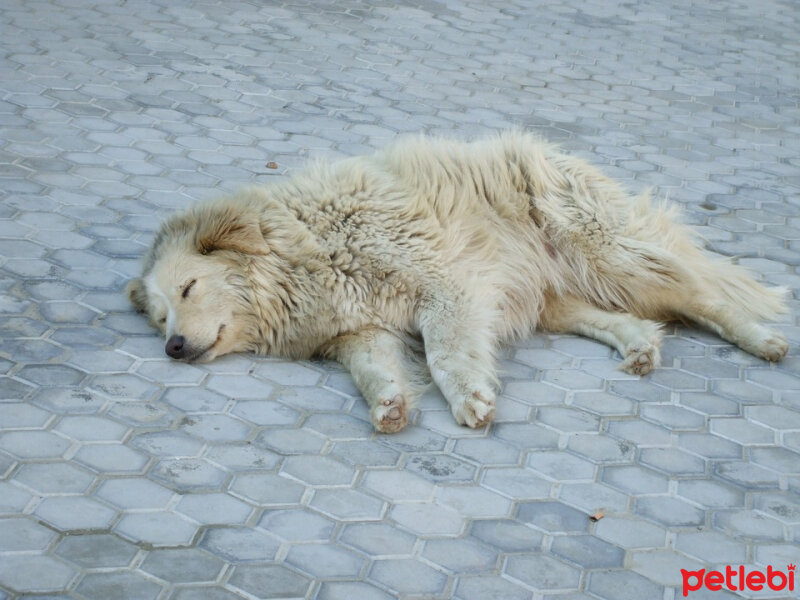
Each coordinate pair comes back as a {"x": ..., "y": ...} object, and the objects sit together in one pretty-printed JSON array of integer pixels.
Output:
[{"x": 176, "y": 347}]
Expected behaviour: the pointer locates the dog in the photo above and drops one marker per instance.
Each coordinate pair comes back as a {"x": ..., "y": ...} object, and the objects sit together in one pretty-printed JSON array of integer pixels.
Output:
[{"x": 445, "y": 248}]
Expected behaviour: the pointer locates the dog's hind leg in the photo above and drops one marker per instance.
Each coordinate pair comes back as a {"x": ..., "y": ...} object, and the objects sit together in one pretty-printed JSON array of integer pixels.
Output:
[
  {"x": 381, "y": 367},
  {"x": 459, "y": 348},
  {"x": 726, "y": 299},
  {"x": 738, "y": 327},
  {"x": 637, "y": 340}
]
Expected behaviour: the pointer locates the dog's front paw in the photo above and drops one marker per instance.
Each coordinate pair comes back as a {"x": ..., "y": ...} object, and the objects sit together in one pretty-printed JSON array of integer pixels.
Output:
[
  {"x": 640, "y": 359},
  {"x": 476, "y": 410},
  {"x": 390, "y": 415},
  {"x": 772, "y": 347}
]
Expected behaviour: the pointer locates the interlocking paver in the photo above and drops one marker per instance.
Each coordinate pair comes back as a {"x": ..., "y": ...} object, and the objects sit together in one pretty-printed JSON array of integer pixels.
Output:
[
  {"x": 270, "y": 581},
  {"x": 124, "y": 474},
  {"x": 72, "y": 513},
  {"x": 98, "y": 550}
]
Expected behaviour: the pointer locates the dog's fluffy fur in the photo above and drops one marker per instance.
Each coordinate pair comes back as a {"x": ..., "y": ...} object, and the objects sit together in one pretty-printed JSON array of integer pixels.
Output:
[{"x": 448, "y": 246}]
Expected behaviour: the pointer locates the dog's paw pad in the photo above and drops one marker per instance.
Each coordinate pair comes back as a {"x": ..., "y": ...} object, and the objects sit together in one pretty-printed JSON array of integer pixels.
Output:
[
  {"x": 774, "y": 347},
  {"x": 640, "y": 359},
  {"x": 477, "y": 410},
  {"x": 390, "y": 415}
]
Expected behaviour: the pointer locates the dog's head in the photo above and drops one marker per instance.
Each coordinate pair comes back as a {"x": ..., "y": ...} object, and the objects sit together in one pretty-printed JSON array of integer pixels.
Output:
[{"x": 194, "y": 287}]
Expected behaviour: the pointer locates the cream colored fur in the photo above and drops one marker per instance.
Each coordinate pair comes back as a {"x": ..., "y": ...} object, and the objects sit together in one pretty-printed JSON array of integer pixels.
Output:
[{"x": 448, "y": 246}]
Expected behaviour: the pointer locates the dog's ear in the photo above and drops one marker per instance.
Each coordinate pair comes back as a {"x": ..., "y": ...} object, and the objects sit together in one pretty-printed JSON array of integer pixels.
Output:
[
  {"x": 227, "y": 230},
  {"x": 137, "y": 294}
]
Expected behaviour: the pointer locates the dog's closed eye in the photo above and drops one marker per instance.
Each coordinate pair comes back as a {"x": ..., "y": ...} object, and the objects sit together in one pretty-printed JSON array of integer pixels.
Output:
[{"x": 188, "y": 287}]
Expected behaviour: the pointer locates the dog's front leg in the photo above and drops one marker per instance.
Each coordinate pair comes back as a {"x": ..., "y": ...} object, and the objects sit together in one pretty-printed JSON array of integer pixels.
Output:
[
  {"x": 376, "y": 359},
  {"x": 459, "y": 348}
]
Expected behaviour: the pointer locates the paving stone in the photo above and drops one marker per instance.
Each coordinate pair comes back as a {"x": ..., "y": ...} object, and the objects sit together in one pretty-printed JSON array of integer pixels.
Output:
[
  {"x": 628, "y": 531},
  {"x": 296, "y": 525},
  {"x": 489, "y": 587},
  {"x": 709, "y": 446},
  {"x": 54, "y": 478},
  {"x": 662, "y": 566},
  {"x": 236, "y": 544},
  {"x": 266, "y": 412},
  {"x": 460, "y": 556},
  {"x": 96, "y": 551},
  {"x": 34, "y": 444},
  {"x": 555, "y": 465},
  {"x": 348, "y": 505},
  {"x": 242, "y": 457},
  {"x": 553, "y": 517},
  {"x": 290, "y": 441},
  {"x": 517, "y": 483},
  {"x": 640, "y": 432},
  {"x": 782, "y": 506},
  {"x": 747, "y": 474},
  {"x": 670, "y": 511},
  {"x": 428, "y": 518},
  {"x": 35, "y": 573},
  {"x": 542, "y": 572},
  {"x": 283, "y": 373},
  {"x": 185, "y": 474},
  {"x": 168, "y": 444},
  {"x": 711, "y": 547},
  {"x": 21, "y": 534},
  {"x": 214, "y": 509},
  {"x": 378, "y": 539},
  {"x": 635, "y": 479},
  {"x": 588, "y": 551},
  {"x": 713, "y": 494},
  {"x": 13, "y": 500},
  {"x": 474, "y": 502},
  {"x": 339, "y": 427},
  {"x": 622, "y": 585},
  {"x": 99, "y": 586},
  {"x": 440, "y": 467},
  {"x": 601, "y": 449},
  {"x": 592, "y": 497},
  {"x": 159, "y": 528},
  {"x": 24, "y": 416},
  {"x": 672, "y": 461},
  {"x": 270, "y": 581},
  {"x": 267, "y": 488},
  {"x": 318, "y": 470},
  {"x": 325, "y": 561},
  {"x": 203, "y": 591},
  {"x": 408, "y": 576},
  {"x": 487, "y": 451},
  {"x": 398, "y": 486},
  {"x": 742, "y": 431},
  {"x": 748, "y": 524},
  {"x": 75, "y": 513},
  {"x": 567, "y": 419},
  {"x": 182, "y": 565}
]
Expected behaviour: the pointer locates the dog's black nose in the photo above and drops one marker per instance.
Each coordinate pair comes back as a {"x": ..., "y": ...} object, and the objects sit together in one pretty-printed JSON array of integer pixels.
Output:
[{"x": 175, "y": 346}]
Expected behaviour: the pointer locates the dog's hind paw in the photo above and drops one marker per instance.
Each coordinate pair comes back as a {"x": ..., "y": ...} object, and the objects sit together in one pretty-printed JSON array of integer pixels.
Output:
[
  {"x": 390, "y": 415},
  {"x": 640, "y": 359},
  {"x": 476, "y": 410},
  {"x": 773, "y": 347}
]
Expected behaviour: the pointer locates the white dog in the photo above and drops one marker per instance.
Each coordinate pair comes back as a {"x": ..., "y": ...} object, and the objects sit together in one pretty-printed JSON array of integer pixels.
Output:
[{"x": 459, "y": 246}]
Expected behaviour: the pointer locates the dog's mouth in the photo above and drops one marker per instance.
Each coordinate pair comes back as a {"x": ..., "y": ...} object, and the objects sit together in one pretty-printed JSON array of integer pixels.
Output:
[{"x": 203, "y": 354}]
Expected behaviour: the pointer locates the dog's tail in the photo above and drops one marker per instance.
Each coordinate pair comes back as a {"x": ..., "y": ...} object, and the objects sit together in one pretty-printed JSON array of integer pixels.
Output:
[
  {"x": 672, "y": 255},
  {"x": 736, "y": 287}
]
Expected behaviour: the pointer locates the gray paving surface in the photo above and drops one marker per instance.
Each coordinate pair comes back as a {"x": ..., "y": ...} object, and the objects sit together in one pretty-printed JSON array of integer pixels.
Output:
[{"x": 124, "y": 475}]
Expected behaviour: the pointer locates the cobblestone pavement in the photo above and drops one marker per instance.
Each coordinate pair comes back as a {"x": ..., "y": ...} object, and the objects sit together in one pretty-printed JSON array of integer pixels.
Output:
[{"x": 126, "y": 476}]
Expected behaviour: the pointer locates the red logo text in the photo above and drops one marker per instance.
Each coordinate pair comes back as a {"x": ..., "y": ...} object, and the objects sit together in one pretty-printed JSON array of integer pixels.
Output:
[{"x": 737, "y": 579}]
